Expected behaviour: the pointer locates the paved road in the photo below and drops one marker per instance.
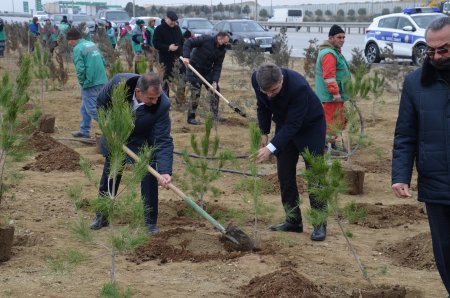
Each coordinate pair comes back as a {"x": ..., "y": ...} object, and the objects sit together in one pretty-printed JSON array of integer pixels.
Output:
[{"x": 300, "y": 40}]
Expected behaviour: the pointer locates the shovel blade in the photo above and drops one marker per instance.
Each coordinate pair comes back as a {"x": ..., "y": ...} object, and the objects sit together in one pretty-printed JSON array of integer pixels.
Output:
[
  {"x": 235, "y": 239},
  {"x": 237, "y": 109}
]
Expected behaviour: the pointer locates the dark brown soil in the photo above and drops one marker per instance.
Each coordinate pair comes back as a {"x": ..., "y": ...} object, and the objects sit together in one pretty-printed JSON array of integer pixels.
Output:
[
  {"x": 282, "y": 283},
  {"x": 382, "y": 217},
  {"x": 415, "y": 252},
  {"x": 53, "y": 155},
  {"x": 177, "y": 245},
  {"x": 231, "y": 121}
]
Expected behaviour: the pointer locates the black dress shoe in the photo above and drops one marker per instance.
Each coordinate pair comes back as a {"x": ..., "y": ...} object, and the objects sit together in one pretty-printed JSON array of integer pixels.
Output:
[
  {"x": 99, "y": 222},
  {"x": 319, "y": 233},
  {"x": 287, "y": 227}
]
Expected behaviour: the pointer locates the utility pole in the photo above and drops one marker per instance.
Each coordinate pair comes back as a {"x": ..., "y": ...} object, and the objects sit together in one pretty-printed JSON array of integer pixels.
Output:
[
  {"x": 134, "y": 10},
  {"x": 13, "y": 4},
  {"x": 271, "y": 10},
  {"x": 256, "y": 10}
]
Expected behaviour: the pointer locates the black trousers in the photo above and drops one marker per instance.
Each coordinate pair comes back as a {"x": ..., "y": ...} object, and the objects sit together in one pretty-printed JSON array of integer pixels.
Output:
[
  {"x": 439, "y": 220},
  {"x": 149, "y": 192},
  {"x": 287, "y": 177}
]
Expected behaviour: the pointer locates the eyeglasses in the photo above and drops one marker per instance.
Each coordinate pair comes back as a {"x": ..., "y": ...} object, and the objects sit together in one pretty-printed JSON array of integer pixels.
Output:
[{"x": 441, "y": 51}]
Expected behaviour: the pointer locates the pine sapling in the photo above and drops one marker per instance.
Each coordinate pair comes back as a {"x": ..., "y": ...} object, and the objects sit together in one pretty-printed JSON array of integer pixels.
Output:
[
  {"x": 199, "y": 170},
  {"x": 13, "y": 99},
  {"x": 116, "y": 123},
  {"x": 41, "y": 68},
  {"x": 326, "y": 182}
]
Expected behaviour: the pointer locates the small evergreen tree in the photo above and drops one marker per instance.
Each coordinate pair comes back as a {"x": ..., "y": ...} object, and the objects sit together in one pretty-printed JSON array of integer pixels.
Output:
[
  {"x": 116, "y": 123},
  {"x": 13, "y": 98},
  {"x": 41, "y": 67},
  {"x": 311, "y": 53},
  {"x": 199, "y": 170},
  {"x": 326, "y": 182}
]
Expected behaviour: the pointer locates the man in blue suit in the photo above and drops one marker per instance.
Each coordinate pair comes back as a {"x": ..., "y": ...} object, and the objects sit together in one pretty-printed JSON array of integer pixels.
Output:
[
  {"x": 152, "y": 127},
  {"x": 285, "y": 97}
]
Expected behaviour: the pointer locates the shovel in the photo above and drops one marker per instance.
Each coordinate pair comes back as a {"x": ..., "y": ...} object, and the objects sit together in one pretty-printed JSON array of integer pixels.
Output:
[
  {"x": 231, "y": 105},
  {"x": 234, "y": 237}
]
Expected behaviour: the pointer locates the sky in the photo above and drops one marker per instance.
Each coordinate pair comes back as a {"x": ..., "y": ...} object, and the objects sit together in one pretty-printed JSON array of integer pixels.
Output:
[{"x": 7, "y": 5}]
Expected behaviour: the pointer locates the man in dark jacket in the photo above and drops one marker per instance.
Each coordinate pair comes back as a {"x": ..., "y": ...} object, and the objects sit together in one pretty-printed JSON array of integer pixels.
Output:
[
  {"x": 206, "y": 57},
  {"x": 284, "y": 96},
  {"x": 422, "y": 135},
  {"x": 151, "y": 127},
  {"x": 168, "y": 40}
]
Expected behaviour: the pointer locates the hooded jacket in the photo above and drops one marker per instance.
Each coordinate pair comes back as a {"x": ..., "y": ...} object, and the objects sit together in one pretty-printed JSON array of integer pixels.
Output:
[
  {"x": 165, "y": 36},
  {"x": 89, "y": 64}
]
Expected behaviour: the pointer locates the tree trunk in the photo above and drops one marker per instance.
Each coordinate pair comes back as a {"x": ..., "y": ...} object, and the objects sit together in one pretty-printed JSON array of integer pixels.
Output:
[
  {"x": 6, "y": 241},
  {"x": 354, "y": 175}
]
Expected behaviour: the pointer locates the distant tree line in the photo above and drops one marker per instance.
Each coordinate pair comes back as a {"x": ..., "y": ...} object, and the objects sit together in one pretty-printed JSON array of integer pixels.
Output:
[
  {"x": 361, "y": 15},
  {"x": 219, "y": 11}
]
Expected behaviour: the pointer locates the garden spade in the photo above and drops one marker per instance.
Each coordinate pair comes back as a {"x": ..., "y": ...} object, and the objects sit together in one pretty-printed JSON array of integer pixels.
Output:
[
  {"x": 233, "y": 237},
  {"x": 231, "y": 105}
]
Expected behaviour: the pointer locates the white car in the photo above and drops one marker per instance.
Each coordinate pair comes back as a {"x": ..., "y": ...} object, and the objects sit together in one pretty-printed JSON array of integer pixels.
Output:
[
  {"x": 404, "y": 31},
  {"x": 145, "y": 19}
]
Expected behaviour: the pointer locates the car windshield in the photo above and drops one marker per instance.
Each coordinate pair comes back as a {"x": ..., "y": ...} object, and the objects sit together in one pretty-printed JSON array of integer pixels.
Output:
[
  {"x": 82, "y": 18},
  {"x": 200, "y": 24},
  {"x": 424, "y": 20},
  {"x": 117, "y": 16},
  {"x": 246, "y": 27}
]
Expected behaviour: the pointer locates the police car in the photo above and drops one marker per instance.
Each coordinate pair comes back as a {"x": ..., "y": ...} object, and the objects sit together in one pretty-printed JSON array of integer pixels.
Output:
[{"x": 405, "y": 31}]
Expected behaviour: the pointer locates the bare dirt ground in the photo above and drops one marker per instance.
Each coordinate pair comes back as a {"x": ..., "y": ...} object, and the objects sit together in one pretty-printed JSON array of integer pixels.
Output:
[{"x": 187, "y": 258}]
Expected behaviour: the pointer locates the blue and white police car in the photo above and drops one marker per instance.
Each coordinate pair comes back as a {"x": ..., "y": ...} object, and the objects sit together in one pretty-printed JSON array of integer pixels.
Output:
[{"x": 403, "y": 33}]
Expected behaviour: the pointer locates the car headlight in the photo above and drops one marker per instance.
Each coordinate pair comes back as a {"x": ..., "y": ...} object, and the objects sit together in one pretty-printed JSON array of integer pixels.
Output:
[{"x": 247, "y": 40}]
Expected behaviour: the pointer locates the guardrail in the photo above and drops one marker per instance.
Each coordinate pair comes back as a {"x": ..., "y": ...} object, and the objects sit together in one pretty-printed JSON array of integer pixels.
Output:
[{"x": 347, "y": 26}]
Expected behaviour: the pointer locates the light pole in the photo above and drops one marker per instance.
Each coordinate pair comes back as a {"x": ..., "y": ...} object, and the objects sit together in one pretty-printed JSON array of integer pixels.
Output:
[
  {"x": 13, "y": 4},
  {"x": 134, "y": 10},
  {"x": 271, "y": 10}
]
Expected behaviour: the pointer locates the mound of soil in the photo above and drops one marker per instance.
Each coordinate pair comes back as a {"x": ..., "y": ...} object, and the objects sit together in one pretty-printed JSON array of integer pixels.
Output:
[
  {"x": 415, "y": 252},
  {"x": 177, "y": 245},
  {"x": 282, "y": 283},
  {"x": 231, "y": 121},
  {"x": 273, "y": 179},
  {"x": 53, "y": 155},
  {"x": 382, "y": 217}
]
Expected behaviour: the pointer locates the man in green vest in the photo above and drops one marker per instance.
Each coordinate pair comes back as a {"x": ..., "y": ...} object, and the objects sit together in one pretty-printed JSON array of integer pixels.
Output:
[
  {"x": 91, "y": 74},
  {"x": 331, "y": 72}
]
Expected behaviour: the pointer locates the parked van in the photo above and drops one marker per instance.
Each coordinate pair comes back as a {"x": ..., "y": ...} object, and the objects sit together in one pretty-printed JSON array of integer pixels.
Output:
[{"x": 287, "y": 15}]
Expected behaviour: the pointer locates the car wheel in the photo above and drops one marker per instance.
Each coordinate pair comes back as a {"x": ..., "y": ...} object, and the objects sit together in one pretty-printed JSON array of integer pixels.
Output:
[
  {"x": 419, "y": 54},
  {"x": 372, "y": 53}
]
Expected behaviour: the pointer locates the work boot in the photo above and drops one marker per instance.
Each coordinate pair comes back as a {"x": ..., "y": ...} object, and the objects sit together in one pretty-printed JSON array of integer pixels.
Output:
[
  {"x": 77, "y": 134},
  {"x": 99, "y": 222},
  {"x": 319, "y": 233},
  {"x": 191, "y": 119}
]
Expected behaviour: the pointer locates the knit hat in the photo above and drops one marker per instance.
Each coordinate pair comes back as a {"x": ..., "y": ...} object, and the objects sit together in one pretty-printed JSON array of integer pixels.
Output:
[
  {"x": 73, "y": 34},
  {"x": 335, "y": 29},
  {"x": 172, "y": 15},
  {"x": 140, "y": 22}
]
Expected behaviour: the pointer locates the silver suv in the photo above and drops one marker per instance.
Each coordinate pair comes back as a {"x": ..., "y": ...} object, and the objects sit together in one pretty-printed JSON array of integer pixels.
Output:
[
  {"x": 117, "y": 17},
  {"x": 403, "y": 32}
]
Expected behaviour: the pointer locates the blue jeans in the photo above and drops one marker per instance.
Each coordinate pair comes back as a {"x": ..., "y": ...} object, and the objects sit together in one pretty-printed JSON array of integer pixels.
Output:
[{"x": 88, "y": 109}]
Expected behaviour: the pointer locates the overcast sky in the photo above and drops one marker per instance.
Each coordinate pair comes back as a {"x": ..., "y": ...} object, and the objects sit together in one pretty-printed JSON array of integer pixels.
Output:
[{"x": 7, "y": 5}]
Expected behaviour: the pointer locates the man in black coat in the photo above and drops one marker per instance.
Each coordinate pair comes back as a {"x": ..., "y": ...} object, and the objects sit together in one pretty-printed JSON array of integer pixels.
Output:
[
  {"x": 168, "y": 40},
  {"x": 422, "y": 136},
  {"x": 285, "y": 97},
  {"x": 205, "y": 54},
  {"x": 152, "y": 127}
]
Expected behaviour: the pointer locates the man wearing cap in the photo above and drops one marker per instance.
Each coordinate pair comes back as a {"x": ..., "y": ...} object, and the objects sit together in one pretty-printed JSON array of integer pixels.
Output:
[
  {"x": 91, "y": 74},
  {"x": 206, "y": 54},
  {"x": 331, "y": 72},
  {"x": 168, "y": 40}
]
